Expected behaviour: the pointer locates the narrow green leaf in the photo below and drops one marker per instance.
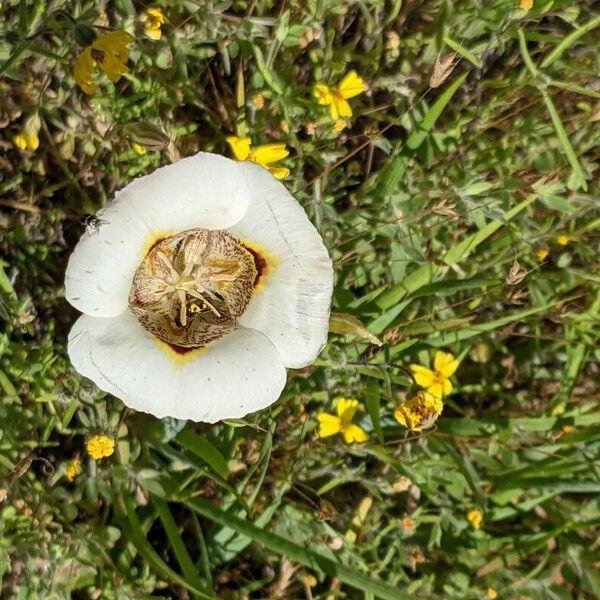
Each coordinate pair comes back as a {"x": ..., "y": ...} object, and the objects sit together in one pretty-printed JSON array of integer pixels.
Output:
[
  {"x": 464, "y": 52},
  {"x": 568, "y": 41},
  {"x": 183, "y": 558},
  {"x": 464, "y": 248},
  {"x": 201, "y": 447},
  {"x": 300, "y": 554},
  {"x": 134, "y": 531},
  {"x": 373, "y": 402},
  {"x": 417, "y": 137},
  {"x": 565, "y": 143}
]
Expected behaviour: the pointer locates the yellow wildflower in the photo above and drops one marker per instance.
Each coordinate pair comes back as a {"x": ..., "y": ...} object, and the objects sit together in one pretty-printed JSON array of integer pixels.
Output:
[
  {"x": 568, "y": 429},
  {"x": 342, "y": 423},
  {"x": 525, "y": 4},
  {"x": 73, "y": 468},
  {"x": 491, "y": 593},
  {"x": 109, "y": 52},
  {"x": 437, "y": 382},
  {"x": 100, "y": 445},
  {"x": 420, "y": 412},
  {"x": 138, "y": 148},
  {"x": 28, "y": 138},
  {"x": 336, "y": 97},
  {"x": 541, "y": 253},
  {"x": 263, "y": 155},
  {"x": 258, "y": 100},
  {"x": 475, "y": 517},
  {"x": 153, "y": 18},
  {"x": 562, "y": 240}
]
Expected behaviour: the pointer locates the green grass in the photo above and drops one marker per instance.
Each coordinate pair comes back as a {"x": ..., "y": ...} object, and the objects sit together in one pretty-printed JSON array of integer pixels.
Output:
[{"x": 433, "y": 203}]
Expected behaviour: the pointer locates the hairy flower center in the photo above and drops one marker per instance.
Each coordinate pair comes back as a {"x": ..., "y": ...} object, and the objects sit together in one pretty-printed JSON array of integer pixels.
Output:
[{"x": 191, "y": 287}]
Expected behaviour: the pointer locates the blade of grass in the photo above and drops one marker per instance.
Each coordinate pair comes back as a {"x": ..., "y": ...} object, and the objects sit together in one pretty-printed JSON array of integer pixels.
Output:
[
  {"x": 201, "y": 447},
  {"x": 296, "y": 553},
  {"x": 181, "y": 554},
  {"x": 417, "y": 137},
  {"x": 564, "y": 140},
  {"x": 462, "y": 250},
  {"x": 568, "y": 41},
  {"x": 134, "y": 531}
]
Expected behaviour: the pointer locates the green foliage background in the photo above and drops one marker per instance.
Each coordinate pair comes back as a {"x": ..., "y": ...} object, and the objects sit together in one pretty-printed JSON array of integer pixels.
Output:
[{"x": 433, "y": 202}]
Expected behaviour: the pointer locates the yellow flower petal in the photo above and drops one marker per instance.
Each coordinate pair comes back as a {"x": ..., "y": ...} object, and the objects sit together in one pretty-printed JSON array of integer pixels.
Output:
[
  {"x": 322, "y": 93},
  {"x": 154, "y": 33},
  {"x": 268, "y": 153},
  {"x": 328, "y": 424},
  {"x": 351, "y": 85},
  {"x": 155, "y": 15},
  {"x": 239, "y": 146},
  {"x": 113, "y": 68},
  {"x": 20, "y": 141},
  {"x": 340, "y": 108},
  {"x": 439, "y": 389},
  {"x": 111, "y": 52},
  {"x": 354, "y": 433},
  {"x": 445, "y": 363},
  {"x": 423, "y": 376},
  {"x": 475, "y": 518},
  {"x": 279, "y": 172},
  {"x": 346, "y": 408},
  {"x": 138, "y": 148},
  {"x": 33, "y": 141},
  {"x": 84, "y": 70}
]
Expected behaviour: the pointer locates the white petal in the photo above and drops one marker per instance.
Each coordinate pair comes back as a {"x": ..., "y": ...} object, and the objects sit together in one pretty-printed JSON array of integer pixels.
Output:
[
  {"x": 236, "y": 375},
  {"x": 205, "y": 190},
  {"x": 291, "y": 307}
]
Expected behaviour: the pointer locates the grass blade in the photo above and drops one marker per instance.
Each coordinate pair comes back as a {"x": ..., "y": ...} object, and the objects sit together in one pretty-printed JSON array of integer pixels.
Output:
[
  {"x": 296, "y": 553},
  {"x": 183, "y": 558},
  {"x": 564, "y": 140}
]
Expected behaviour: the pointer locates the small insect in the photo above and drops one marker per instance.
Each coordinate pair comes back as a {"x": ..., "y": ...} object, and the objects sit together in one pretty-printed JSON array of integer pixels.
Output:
[{"x": 92, "y": 223}]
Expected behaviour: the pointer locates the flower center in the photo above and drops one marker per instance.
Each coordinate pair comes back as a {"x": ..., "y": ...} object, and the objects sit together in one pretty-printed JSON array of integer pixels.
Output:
[{"x": 191, "y": 287}]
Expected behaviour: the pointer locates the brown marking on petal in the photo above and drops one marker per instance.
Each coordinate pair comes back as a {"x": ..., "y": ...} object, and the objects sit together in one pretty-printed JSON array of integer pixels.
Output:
[
  {"x": 182, "y": 349},
  {"x": 259, "y": 262}
]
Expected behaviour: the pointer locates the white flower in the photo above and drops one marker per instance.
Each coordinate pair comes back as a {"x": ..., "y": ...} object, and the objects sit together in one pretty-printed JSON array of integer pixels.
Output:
[{"x": 199, "y": 285}]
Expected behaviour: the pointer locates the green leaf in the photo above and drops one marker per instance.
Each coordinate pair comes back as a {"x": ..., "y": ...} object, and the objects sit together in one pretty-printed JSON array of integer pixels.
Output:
[
  {"x": 296, "y": 553},
  {"x": 201, "y": 447},
  {"x": 464, "y": 248},
  {"x": 579, "y": 175},
  {"x": 183, "y": 558},
  {"x": 418, "y": 136},
  {"x": 373, "y": 402},
  {"x": 135, "y": 533}
]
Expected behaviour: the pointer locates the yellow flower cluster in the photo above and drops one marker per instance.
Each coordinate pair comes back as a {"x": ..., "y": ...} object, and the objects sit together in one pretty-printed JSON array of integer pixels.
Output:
[
  {"x": 153, "y": 19},
  {"x": 73, "y": 468},
  {"x": 107, "y": 52},
  {"x": 475, "y": 517},
  {"x": 419, "y": 412},
  {"x": 28, "y": 137},
  {"x": 100, "y": 445}
]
